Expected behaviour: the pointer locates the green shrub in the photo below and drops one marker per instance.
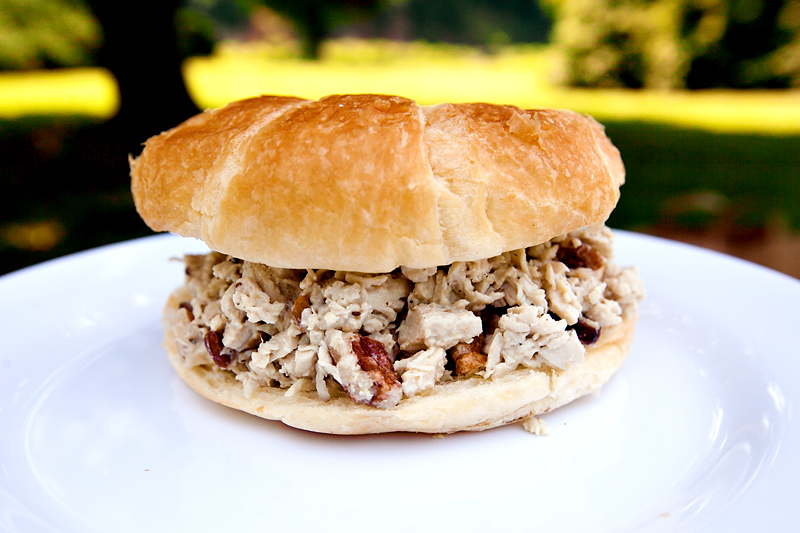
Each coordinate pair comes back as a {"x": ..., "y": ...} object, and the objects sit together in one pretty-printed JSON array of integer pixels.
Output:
[
  {"x": 669, "y": 44},
  {"x": 40, "y": 33}
]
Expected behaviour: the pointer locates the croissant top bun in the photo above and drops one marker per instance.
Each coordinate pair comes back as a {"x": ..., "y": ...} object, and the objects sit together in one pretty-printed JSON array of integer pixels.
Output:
[{"x": 368, "y": 183}]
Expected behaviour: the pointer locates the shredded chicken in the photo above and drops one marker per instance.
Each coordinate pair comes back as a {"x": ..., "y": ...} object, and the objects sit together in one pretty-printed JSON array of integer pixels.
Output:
[
  {"x": 536, "y": 425},
  {"x": 381, "y": 337}
]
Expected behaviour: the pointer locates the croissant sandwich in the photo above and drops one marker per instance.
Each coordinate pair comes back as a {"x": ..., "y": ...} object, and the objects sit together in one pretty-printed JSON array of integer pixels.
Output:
[{"x": 380, "y": 266}]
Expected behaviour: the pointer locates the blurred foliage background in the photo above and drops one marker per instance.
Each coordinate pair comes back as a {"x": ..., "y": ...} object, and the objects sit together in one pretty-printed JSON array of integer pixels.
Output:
[
  {"x": 701, "y": 96},
  {"x": 675, "y": 44}
]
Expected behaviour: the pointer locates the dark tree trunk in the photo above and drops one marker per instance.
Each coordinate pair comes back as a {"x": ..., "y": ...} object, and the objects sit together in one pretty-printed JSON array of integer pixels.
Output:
[
  {"x": 315, "y": 31},
  {"x": 140, "y": 48}
]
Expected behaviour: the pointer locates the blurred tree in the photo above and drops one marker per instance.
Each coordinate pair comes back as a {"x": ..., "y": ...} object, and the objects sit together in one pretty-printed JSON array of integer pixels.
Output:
[
  {"x": 485, "y": 23},
  {"x": 314, "y": 20},
  {"x": 784, "y": 61},
  {"x": 211, "y": 21},
  {"x": 141, "y": 50},
  {"x": 666, "y": 44},
  {"x": 606, "y": 43},
  {"x": 742, "y": 43},
  {"x": 65, "y": 180},
  {"x": 194, "y": 31},
  {"x": 46, "y": 33}
]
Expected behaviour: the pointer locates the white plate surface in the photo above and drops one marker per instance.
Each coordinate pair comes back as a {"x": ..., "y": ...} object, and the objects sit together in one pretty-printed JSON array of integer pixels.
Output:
[{"x": 696, "y": 433}]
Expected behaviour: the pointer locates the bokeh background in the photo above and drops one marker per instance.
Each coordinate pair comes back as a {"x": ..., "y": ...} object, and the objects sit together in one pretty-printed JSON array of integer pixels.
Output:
[{"x": 701, "y": 96}]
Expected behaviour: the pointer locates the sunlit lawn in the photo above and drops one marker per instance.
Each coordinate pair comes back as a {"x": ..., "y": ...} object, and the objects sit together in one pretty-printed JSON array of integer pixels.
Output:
[
  {"x": 695, "y": 158},
  {"x": 84, "y": 91},
  {"x": 427, "y": 73},
  {"x": 516, "y": 76}
]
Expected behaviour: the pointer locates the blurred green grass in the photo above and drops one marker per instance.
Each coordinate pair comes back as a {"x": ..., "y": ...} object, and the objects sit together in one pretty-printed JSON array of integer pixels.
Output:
[
  {"x": 516, "y": 75},
  {"x": 692, "y": 178},
  {"x": 48, "y": 209},
  {"x": 90, "y": 92},
  {"x": 694, "y": 160},
  {"x": 428, "y": 73}
]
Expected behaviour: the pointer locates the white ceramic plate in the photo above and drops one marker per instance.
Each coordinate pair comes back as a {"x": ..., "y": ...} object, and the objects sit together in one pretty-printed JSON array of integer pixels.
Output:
[{"x": 696, "y": 433}]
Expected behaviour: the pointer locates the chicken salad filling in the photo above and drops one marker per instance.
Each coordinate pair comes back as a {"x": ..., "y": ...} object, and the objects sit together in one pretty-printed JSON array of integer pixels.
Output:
[{"x": 379, "y": 338}]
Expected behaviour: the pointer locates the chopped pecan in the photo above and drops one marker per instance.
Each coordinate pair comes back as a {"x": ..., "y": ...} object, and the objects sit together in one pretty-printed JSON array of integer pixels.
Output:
[
  {"x": 302, "y": 303},
  {"x": 584, "y": 256},
  {"x": 257, "y": 340},
  {"x": 373, "y": 359},
  {"x": 214, "y": 346},
  {"x": 468, "y": 358},
  {"x": 188, "y": 308}
]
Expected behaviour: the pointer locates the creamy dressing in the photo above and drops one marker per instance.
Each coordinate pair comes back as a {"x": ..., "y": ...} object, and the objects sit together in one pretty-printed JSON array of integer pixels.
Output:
[{"x": 305, "y": 330}]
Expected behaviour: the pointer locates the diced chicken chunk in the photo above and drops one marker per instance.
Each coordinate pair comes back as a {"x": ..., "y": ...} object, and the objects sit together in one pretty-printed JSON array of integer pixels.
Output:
[
  {"x": 422, "y": 370},
  {"x": 256, "y": 303},
  {"x": 431, "y": 325}
]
